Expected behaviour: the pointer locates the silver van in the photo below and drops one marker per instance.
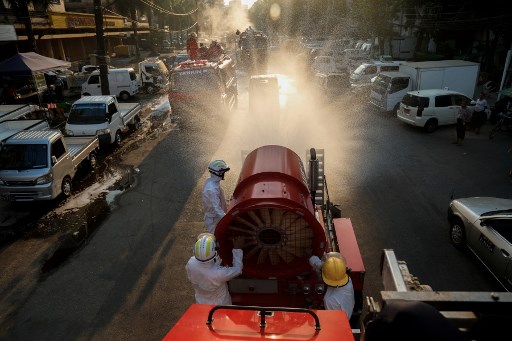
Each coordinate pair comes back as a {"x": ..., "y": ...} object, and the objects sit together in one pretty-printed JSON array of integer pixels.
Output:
[{"x": 366, "y": 71}]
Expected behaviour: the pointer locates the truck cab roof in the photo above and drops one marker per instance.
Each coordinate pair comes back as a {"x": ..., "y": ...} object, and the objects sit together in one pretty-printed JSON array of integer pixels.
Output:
[
  {"x": 34, "y": 136},
  {"x": 95, "y": 99}
]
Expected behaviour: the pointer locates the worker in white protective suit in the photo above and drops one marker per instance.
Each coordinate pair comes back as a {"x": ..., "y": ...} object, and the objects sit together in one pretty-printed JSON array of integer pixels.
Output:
[
  {"x": 214, "y": 201},
  {"x": 340, "y": 291},
  {"x": 208, "y": 277}
]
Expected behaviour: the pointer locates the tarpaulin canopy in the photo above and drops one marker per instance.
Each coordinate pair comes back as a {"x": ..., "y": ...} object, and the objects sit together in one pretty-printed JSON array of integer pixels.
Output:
[{"x": 30, "y": 63}]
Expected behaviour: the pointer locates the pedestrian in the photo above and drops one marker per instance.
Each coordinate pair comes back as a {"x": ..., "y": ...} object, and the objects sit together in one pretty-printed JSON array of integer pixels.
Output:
[
  {"x": 463, "y": 116},
  {"x": 479, "y": 115},
  {"x": 192, "y": 47},
  {"x": 59, "y": 89},
  {"x": 206, "y": 273},
  {"x": 10, "y": 94},
  {"x": 214, "y": 201},
  {"x": 203, "y": 51},
  {"x": 215, "y": 51},
  {"x": 340, "y": 291}
]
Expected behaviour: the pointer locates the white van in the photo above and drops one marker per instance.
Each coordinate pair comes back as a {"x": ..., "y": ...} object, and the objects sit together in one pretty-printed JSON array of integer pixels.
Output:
[
  {"x": 122, "y": 82},
  {"x": 366, "y": 71}
]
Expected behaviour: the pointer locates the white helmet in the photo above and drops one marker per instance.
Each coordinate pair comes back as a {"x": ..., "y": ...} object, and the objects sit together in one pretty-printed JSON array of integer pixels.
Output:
[
  {"x": 218, "y": 167},
  {"x": 205, "y": 249}
]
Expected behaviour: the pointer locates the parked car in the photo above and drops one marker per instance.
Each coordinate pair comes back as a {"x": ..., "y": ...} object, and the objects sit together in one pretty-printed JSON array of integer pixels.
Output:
[
  {"x": 429, "y": 109},
  {"x": 484, "y": 226}
]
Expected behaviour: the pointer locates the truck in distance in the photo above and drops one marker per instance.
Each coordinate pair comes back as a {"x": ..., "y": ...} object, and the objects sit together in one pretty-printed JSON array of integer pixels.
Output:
[
  {"x": 41, "y": 164},
  {"x": 102, "y": 116},
  {"x": 153, "y": 75},
  {"x": 388, "y": 89},
  {"x": 204, "y": 86},
  {"x": 252, "y": 51}
]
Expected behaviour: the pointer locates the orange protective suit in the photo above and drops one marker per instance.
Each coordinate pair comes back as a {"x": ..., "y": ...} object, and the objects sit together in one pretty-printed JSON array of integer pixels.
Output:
[{"x": 192, "y": 48}]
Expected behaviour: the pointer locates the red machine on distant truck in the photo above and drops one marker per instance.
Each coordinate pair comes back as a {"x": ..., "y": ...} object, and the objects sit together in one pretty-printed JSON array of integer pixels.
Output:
[{"x": 285, "y": 214}]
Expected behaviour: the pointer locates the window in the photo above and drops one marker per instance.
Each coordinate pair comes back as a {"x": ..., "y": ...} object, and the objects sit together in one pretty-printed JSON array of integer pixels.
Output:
[
  {"x": 23, "y": 156},
  {"x": 398, "y": 84},
  {"x": 94, "y": 79},
  {"x": 112, "y": 109},
  {"x": 150, "y": 68},
  {"x": 443, "y": 101},
  {"x": 133, "y": 75},
  {"x": 58, "y": 149},
  {"x": 389, "y": 68},
  {"x": 370, "y": 70},
  {"x": 457, "y": 99},
  {"x": 503, "y": 227},
  {"x": 415, "y": 101}
]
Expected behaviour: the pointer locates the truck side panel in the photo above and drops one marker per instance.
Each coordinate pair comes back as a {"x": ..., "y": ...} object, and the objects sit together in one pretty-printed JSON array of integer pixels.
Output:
[
  {"x": 128, "y": 111},
  {"x": 462, "y": 79},
  {"x": 80, "y": 148},
  {"x": 14, "y": 111},
  {"x": 428, "y": 79}
]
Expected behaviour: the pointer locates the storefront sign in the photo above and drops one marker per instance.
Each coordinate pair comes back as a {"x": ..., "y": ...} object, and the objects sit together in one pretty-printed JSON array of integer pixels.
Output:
[{"x": 79, "y": 20}]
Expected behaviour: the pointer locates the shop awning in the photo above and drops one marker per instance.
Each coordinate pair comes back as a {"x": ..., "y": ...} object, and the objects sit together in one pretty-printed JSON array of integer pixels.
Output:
[{"x": 30, "y": 63}]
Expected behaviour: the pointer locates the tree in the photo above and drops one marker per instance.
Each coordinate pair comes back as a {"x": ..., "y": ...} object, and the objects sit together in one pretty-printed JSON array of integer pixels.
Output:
[
  {"x": 317, "y": 18},
  {"x": 20, "y": 9}
]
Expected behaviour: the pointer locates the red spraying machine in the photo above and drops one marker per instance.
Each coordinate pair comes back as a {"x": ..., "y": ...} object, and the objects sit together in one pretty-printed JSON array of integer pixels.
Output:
[{"x": 285, "y": 216}]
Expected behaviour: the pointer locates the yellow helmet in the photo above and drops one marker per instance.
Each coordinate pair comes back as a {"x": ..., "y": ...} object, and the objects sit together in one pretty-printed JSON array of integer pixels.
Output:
[
  {"x": 334, "y": 270},
  {"x": 205, "y": 248}
]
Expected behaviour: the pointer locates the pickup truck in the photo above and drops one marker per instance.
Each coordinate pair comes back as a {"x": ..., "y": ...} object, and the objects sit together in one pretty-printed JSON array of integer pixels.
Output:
[
  {"x": 11, "y": 127},
  {"x": 15, "y": 111},
  {"x": 103, "y": 116},
  {"x": 41, "y": 164}
]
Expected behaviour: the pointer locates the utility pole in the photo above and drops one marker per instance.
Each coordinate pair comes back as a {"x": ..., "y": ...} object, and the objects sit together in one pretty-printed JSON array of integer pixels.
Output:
[
  {"x": 133, "y": 15},
  {"x": 100, "y": 48}
]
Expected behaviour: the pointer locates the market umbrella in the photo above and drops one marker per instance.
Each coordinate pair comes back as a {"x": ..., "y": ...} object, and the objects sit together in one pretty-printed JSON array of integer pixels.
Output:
[{"x": 30, "y": 63}]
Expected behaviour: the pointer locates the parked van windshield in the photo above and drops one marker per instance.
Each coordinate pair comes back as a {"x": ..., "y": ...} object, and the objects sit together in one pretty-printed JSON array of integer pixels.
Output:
[{"x": 91, "y": 113}]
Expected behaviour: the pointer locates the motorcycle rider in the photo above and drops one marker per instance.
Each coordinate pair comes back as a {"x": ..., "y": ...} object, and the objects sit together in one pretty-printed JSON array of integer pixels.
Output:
[
  {"x": 214, "y": 201},
  {"x": 208, "y": 277}
]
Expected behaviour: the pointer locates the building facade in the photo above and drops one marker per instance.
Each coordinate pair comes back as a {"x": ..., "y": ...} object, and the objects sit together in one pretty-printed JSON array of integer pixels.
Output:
[{"x": 66, "y": 31}]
